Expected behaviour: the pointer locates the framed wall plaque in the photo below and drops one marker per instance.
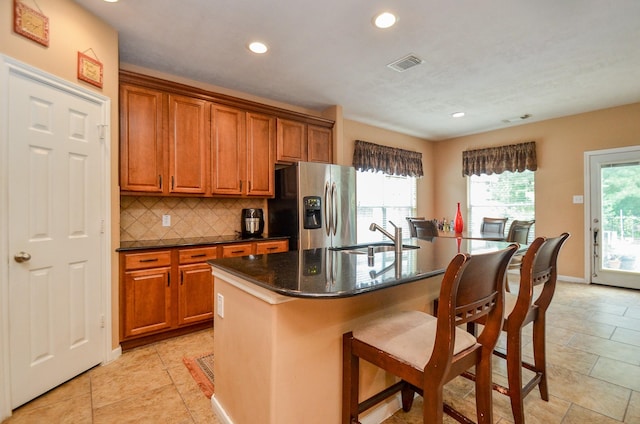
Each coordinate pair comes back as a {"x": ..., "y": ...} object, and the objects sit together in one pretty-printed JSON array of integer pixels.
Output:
[
  {"x": 89, "y": 70},
  {"x": 30, "y": 23}
]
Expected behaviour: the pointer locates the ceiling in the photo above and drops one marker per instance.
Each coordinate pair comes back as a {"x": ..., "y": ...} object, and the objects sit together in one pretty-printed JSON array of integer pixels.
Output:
[{"x": 493, "y": 59}]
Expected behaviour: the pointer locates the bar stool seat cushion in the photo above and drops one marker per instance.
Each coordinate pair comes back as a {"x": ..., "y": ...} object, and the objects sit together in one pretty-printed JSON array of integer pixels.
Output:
[{"x": 409, "y": 336}]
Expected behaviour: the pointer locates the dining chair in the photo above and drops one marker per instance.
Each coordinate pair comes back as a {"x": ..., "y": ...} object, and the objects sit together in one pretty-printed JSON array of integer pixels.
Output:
[
  {"x": 424, "y": 229},
  {"x": 412, "y": 228},
  {"x": 519, "y": 231},
  {"x": 539, "y": 272},
  {"x": 493, "y": 225},
  {"x": 424, "y": 351}
]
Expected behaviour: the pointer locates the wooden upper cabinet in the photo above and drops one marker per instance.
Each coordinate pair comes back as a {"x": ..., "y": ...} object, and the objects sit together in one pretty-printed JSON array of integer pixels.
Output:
[
  {"x": 228, "y": 147},
  {"x": 319, "y": 144},
  {"x": 188, "y": 141},
  {"x": 142, "y": 164},
  {"x": 261, "y": 146},
  {"x": 292, "y": 141},
  {"x": 298, "y": 141}
]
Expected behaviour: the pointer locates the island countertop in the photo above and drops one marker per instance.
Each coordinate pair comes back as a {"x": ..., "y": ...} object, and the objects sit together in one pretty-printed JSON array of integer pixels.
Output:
[{"x": 328, "y": 273}]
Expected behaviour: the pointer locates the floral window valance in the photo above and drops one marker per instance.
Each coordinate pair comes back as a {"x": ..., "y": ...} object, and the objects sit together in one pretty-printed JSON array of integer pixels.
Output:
[
  {"x": 390, "y": 160},
  {"x": 514, "y": 158}
]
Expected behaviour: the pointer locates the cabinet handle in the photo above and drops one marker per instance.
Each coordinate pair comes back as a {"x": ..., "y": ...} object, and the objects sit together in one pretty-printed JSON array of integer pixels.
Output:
[
  {"x": 240, "y": 185},
  {"x": 249, "y": 186},
  {"x": 160, "y": 180},
  {"x": 237, "y": 251},
  {"x": 149, "y": 260},
  {"x": 272, "y": 248},
  {"x": 199, "y": 255},
  {"x": 172, "y": 182},
  {"x": 181, "y": 277},
  {"x": 168, "y": 280}
]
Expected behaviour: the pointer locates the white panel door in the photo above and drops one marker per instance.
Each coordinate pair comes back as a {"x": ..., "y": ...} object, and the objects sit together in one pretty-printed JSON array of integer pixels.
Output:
[{"x": 55, "y": 264}]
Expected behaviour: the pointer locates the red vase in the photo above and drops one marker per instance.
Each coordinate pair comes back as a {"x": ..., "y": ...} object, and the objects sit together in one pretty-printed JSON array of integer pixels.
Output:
[{"x": 459, "y": 224}]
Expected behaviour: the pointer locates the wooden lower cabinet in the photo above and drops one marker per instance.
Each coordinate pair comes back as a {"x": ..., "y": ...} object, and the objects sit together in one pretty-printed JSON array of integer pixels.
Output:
[
  {"x": 168, "y": 292},
  {"x": 148, "y": 301}
]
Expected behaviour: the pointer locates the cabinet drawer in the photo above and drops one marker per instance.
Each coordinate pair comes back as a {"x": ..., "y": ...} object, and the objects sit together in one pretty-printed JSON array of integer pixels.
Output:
[
  {"x": 234, "y": 250},
  {"x": 147, "y": 260},
  {"x": 201, "y": 254},
  {"x": 272, "y": 247}
]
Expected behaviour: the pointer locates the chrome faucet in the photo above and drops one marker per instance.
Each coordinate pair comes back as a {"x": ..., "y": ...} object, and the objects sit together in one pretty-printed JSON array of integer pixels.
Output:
[{"x": 397, "y": 239}]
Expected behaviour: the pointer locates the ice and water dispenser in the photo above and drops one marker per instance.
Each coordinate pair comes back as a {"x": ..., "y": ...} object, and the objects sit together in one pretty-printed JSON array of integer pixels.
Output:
[{"x": 312, "y": 212}]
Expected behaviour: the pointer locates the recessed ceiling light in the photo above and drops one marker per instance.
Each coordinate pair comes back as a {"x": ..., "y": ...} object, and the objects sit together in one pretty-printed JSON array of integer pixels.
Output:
[
  {"x": 457, "y": 114},
  {"x": 258, "y": 47},
  {"x": 385, "y": 20},
  {"x": 111, "y": 1}
]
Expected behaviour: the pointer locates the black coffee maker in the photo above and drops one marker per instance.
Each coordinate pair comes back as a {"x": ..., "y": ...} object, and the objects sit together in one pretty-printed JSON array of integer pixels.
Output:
[{"x": 252, "y": 223}]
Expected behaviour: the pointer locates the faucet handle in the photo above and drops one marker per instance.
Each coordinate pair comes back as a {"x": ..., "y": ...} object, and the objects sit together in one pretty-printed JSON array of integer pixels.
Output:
[{"x": 394, "y": 225}]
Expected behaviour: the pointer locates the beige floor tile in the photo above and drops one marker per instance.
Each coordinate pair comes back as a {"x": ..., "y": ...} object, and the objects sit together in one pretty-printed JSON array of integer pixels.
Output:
[
  {"x": 172, "y": 351},
  {"x": 633, "y": 312},
  {"x": 627, "y": 336},
  {"x": 69, "y": 411},
  {"x": 592, "y": 393},
  {"x": 617, "y": 372},
  {"x": 136, "y": 372},
  {"x": 580, "y": 415},
  {"x": 607, "y": 348},
  {"x": 616, "y": 320},
  {"x": 159, "y": 405},
  {"x": 633, "y": 412},
  {"x": 77, "y": 387}
]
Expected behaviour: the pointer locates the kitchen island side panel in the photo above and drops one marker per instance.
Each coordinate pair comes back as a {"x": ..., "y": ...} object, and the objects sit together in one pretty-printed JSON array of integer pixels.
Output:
[{"x": 284, "y": 359}]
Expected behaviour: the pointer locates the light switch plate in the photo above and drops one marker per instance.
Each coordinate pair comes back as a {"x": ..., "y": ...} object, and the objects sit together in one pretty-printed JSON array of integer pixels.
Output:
[
  {"x": 578, "y": 198},
  {"x": 166, "y": 220}
]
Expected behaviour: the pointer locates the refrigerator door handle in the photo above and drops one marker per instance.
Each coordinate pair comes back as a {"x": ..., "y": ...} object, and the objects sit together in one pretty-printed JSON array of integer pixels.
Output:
[
  {"x": 327, "y": 209},
  {"x": 334, "y": 208}
]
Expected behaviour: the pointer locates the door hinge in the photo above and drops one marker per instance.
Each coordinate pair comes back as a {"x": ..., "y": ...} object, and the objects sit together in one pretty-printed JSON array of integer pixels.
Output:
[
  {"x": 101, "y": 321},
  {"x": 102, "y": 131},
  {"x": 102, "y": 226}
]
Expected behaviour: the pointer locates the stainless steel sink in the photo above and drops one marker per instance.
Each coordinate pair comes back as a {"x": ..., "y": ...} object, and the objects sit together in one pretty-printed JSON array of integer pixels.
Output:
[{"x": 365, "y": 249}]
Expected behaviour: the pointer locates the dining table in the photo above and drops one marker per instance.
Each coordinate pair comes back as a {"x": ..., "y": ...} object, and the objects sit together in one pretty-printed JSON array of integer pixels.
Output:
[{"x": 473, "y": 235}]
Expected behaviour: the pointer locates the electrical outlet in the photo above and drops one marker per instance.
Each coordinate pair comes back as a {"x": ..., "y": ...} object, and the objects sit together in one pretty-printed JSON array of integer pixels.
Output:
[
  {"x": 166, "y": 220},
  {"x": 220, "y": 308}
]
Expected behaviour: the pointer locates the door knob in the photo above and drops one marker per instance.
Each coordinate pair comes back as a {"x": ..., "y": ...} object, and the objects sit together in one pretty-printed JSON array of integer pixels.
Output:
[{"x": 22, "y": 257}]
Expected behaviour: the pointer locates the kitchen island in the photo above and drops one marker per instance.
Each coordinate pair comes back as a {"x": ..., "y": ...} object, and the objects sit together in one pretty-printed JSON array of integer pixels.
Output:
[{"x": 279, "y": 321}]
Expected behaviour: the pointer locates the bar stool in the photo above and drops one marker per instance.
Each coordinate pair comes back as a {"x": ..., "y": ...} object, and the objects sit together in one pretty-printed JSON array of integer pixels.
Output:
[
  {"x": 539, "y": 268},
  {"x": 426, "y": 352}
]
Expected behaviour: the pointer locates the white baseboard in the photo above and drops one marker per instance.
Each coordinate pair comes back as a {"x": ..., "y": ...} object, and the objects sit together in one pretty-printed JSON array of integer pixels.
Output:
[
  {"x": 219, "y": 411},
  {"x": 115, "y": 354}
]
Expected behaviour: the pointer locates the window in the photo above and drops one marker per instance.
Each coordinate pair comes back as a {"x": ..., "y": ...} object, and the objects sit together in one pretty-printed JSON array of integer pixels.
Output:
[
  {"x": 510, "y": 195},
  {"x": 382, "y": 198}
]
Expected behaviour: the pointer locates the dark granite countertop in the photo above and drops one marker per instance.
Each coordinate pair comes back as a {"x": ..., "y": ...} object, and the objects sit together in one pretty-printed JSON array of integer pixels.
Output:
[
  {"x": 189, "y": 242},
  {"x": 328, "y": 273}
]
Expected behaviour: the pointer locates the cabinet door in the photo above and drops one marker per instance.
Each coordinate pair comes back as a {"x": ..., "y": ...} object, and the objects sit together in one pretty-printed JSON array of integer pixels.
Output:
[
  {"x": 188, "y": 145},
  {"x": 147, "y": 301},
  {"x": 264, "y": 247},
  {"x": 261, "y": 139},
  {"x": 195, "y": 293},
  {"x": 142, "y": 165},
  {"x": 319, "y": 144},
  {"x": 228, "y": 150},
  {"x": 292, "y": 141}
]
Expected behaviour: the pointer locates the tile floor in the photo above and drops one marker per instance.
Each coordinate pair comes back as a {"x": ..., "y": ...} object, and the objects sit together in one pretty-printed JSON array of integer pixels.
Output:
[{"x": 593, "y": 351}]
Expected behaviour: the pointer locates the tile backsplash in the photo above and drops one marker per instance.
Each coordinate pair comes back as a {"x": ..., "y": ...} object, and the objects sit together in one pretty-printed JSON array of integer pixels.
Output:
[{"x": 141, "y": 216}]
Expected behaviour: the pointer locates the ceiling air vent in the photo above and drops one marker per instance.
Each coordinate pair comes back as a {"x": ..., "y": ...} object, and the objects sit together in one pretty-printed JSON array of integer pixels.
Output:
[
  {"x": 516, "y": 119},
  {"x": 405, "y": 63}
]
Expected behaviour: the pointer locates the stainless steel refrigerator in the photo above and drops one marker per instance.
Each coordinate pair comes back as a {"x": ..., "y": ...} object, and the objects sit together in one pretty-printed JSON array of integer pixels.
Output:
[{"x": 315, "y": 205}]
